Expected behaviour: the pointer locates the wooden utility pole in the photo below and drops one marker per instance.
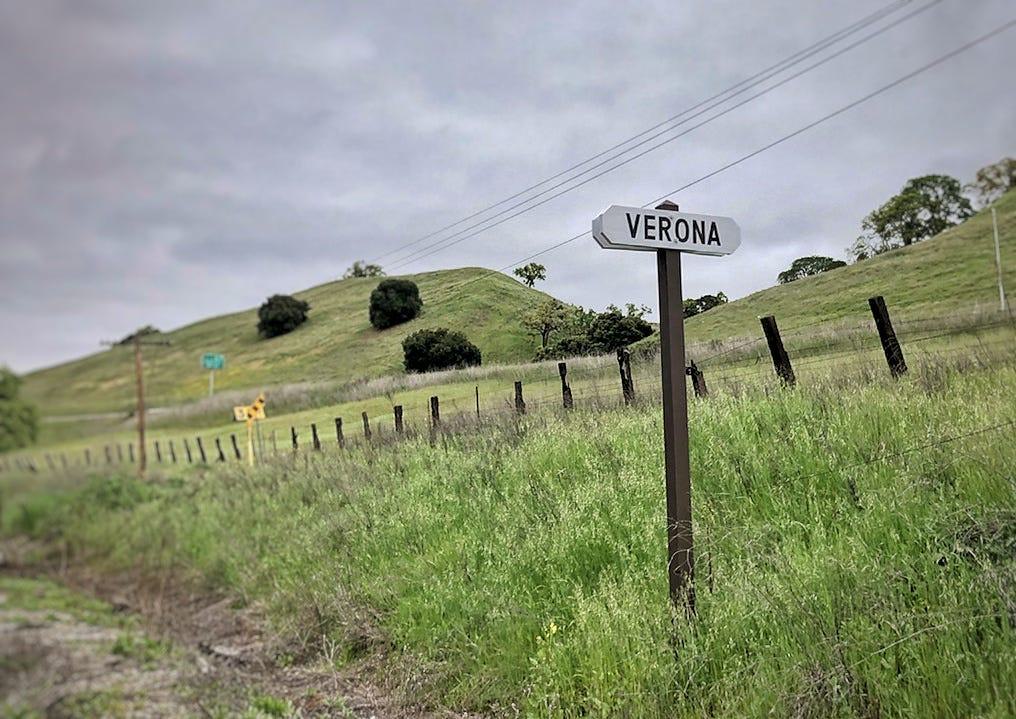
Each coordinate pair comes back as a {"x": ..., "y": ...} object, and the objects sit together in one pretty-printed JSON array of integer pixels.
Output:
[
  {"x": 998, "y": 261},
  {"x": 140, "y": 406}
]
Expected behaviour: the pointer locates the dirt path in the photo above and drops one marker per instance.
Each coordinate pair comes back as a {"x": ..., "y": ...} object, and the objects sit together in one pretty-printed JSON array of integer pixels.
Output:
[{"x": 96, "y": 646}]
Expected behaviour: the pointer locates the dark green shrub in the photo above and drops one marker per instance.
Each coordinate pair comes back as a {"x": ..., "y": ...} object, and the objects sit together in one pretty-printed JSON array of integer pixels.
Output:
[
  {"x": 281, "y": 314},
  {"x": 440, "y": 348},
  {"x": 613, "y": 329},
  {"x": 393, "y": 302},
  {"x": 19, "y": 420}
]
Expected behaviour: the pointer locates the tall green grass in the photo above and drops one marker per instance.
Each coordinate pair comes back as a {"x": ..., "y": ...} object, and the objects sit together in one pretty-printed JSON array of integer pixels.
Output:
[{"x": 849, "y": 561}]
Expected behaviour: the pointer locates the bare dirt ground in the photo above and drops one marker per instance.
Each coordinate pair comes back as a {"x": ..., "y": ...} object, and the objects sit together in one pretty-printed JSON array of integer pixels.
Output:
[{"x": 74, "y": 643}]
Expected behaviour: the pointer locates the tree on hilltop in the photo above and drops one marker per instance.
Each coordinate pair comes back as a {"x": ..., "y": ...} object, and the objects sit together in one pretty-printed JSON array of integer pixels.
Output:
[
  {"x": 363, "y": 269},
  {"x": 808, "y": 266},
  {"x": 925, "y": 206},
  {"x": 531, "y": 273},
  {"x": 993, "y": 181}
]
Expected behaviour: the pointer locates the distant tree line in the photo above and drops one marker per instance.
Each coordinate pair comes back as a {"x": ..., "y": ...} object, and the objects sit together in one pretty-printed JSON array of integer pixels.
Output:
[{"x": 923, "y": 208}]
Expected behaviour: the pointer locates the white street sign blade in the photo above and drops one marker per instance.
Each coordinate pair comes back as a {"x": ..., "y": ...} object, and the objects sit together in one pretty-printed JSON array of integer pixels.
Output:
[{"x": 639, "y": 228}]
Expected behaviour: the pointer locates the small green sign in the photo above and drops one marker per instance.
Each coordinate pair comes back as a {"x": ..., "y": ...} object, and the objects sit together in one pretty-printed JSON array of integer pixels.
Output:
[{"x": 213, "y": 360}]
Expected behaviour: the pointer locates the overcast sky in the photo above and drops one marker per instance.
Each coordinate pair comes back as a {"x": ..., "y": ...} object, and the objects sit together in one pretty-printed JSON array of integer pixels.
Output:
[{"x": 165, "y": 161}]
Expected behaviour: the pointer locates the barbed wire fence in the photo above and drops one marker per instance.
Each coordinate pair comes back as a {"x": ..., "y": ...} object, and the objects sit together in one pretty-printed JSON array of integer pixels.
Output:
[{"x": 585, "y": 387}]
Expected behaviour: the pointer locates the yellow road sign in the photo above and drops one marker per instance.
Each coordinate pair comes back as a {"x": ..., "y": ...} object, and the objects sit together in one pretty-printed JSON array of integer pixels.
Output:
[{"x": 249, "y": 413}]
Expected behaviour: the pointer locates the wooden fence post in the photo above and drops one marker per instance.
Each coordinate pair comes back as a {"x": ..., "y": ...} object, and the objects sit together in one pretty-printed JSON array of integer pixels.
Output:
[
  {"x": 88, "y": 458},
  {"x": 201, "y": 450},
  {"x": 435, "y": 418},
  {"x": 314, "y": 439},
  {"x": 339, "y": 437},
  {"x": 218, "y": 446},
  {"x": 520, "y": 403},
  {"x": 158, "y": 452},
  {"x": 63, "y": 460},
  {"x": 275, "y": 445},
  {"x": 566, "y": 395},
  {"x": 624, "y": 367},
  {"x": 109, "y": 454},
  {"x": 172, "y": 452},
  {"x": 781, "y": 361},
  {"x": 130, "y": 452},
  {"x": 119, "y": 453},
  {"x": 50, "y": 463},
  {"x": 366, "y": 426},
  {"x": 477, "y": 402},
  {"x": 698, "y": 380},
  {"x": 186, "y": 449},
  {"x": 887, "y": 335},
  {"x": 236, "y": 447},
  {"x": 399, "y": 426},
  {"x": 293, "y": 438}
]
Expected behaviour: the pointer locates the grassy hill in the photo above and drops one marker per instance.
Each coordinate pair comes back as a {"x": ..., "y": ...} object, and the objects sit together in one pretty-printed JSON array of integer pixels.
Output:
[
  {"x": 953, "y": 272},
  {"x": 336, "y": 343}
]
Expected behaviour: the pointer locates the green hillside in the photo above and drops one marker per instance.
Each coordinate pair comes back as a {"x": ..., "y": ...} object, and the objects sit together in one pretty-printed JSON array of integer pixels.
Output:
[
  {"x": 949, "y": 274},
  {"x": 336, "y": 343}
]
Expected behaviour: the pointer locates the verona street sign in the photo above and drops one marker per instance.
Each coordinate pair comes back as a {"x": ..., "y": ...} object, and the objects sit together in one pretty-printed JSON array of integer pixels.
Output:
[{"x": 639, "y": 228}]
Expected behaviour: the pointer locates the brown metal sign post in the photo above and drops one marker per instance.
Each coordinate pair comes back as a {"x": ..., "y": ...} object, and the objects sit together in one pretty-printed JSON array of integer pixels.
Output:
[{"x": 668, "y": 232}]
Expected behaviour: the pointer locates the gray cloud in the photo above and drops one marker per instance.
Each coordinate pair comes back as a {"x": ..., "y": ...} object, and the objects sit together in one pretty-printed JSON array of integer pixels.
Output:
[{"x": 155, "y": 156}]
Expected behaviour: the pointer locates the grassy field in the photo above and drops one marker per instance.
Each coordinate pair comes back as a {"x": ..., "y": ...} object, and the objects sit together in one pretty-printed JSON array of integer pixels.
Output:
[
  {"x": 337, "y": 344},
  {"x": 854, "y": 550}
]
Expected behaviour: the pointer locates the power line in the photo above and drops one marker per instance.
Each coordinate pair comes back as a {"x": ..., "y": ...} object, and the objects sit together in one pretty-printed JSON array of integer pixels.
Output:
[
  {"x": 779, "y": 66},
  {"x": 825, "y": 118},
  {"x": 465, "y": 234}
]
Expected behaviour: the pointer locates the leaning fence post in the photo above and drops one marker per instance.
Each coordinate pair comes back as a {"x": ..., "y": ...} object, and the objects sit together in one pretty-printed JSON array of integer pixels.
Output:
[
  {"x": 218, "y": 446},
  {"x": 119, "y": 453},
  {"x": 339, "y": 437},
  {"x": 399, "y": 426},
  {"x": 520, "y": 404},
  {"x": 698, "y": 380},
  {"x": 186, "y": 449},
  {"x": 624, "y": 367},
  {"x": 435, "y": 418},
  {"x": 130, "y": 452},
  {"x": 201, "y": 450},
  {"x": 887, "y": 335},
  {"x": 63, "y": 460},
  {"x": 158, "y": 452},
  {"x": 781, "y": 361},
  {"x": 566, "y": 395},
  {"x": 366, "y": 426},
  {"x": 236, "y": 447},
  {"x": 314, "y": 439},
  {"x": 292, "y": 436},
  {"x": 172, "y": 451},
  {"x": 50, "y": 463}
]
